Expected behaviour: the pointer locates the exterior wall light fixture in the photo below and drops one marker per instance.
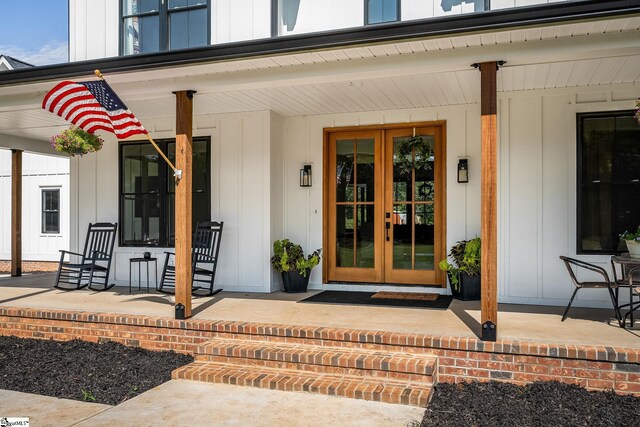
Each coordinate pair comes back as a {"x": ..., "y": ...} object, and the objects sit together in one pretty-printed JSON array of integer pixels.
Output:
[
  {"x": 463, "y": 170},
  {"x": 305, "y": 176}
]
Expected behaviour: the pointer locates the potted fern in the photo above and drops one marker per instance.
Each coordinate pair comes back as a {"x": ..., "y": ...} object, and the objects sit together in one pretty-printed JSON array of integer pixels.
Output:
[
  {"x": 464, "y": 273},
  {"x": 289, "y": 259}
]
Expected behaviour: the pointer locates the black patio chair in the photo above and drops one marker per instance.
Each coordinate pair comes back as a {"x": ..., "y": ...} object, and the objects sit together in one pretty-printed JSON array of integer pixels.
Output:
[
  {"x": 204, "y": 260},
  {"x": 95, "y": 260},
  {"x": 572, "y": 263}
]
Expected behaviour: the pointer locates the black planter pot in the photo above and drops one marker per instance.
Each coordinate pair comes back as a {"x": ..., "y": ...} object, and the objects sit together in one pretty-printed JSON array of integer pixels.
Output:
[
  {"x": 469, "y": 288},
  {"x": 294, "y": 282}
]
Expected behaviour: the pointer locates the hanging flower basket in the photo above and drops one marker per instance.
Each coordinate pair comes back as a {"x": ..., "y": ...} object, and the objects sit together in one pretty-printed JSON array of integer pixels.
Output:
[{"x": 75, "y": 141}]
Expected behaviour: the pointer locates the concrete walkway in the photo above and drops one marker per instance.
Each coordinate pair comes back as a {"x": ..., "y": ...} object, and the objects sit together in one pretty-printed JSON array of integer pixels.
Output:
[{"x": 190, "y": 403}]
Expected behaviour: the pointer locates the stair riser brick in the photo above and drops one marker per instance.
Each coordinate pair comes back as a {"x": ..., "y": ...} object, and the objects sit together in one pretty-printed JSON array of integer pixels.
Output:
[
  {"x": 427, "y": 378},
  {"x": 364, "y": 391},
  {"x": 374, "y": 363}
]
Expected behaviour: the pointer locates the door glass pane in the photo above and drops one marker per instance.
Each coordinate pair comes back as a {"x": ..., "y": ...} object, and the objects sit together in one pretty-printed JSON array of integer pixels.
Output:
[
  {"x": 365, "y": 180},
  {"x": 402, "y": 169},
  {"x": 365, "y": 248},
  {"x": 424, "y": 235},
  {"x": 344, "y": 236},
  {"x": 423, "y": 161},
  {"x": 402, "y": 239},
  {"x": 344, "y": 170}
]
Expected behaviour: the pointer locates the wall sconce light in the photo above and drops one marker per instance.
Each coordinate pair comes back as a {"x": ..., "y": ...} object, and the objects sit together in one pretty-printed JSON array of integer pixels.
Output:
[
  {"x": 463, "y": 170},
  {"x": 305, "y": 176}
]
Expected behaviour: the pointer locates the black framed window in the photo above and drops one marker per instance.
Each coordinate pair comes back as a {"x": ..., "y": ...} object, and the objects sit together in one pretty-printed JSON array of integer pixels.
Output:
[
  {"x": 147, "y": 192},
  {"x": 608, "y": 180},
  {"x": 51, "y": 211},
  {"x": 155, "y": 25},
  {"x": 379, "y": 11}
]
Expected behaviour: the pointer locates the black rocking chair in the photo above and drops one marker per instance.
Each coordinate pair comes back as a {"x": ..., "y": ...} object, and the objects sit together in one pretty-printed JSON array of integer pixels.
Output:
[
  {"x": 204, "y": 260},
  {"x": 95, "y": 260}
]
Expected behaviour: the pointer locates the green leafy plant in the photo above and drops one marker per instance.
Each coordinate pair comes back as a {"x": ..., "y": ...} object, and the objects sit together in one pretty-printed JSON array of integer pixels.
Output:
[
  {"x": 631, "y": 236},
  {"x": 289, "y": 256},
  {"x": 76, "y": 141},
  {"x": 87, "y": 396},
  {"x": 466, "y": 259},
  {"x": 637, "y": 115}
]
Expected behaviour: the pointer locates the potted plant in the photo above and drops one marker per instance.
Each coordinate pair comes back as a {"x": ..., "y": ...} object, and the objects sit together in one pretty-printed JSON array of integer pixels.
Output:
[
  {"x": 633, "y": 242},
  {"x": 76, "y": 141},
  {"x": 289, "y": 260},
  {"x": 464, "y": 273}
]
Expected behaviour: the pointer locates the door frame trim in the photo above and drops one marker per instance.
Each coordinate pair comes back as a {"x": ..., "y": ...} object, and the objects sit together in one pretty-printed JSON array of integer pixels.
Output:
[{"x": 442, "y": 124}]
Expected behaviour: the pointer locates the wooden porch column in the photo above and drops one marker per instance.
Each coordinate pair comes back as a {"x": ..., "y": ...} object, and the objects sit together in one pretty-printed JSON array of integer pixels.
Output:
[
  {"x": 489, "y": 200},
  {"x": 16, "y": 213},
  {"x": 184, "y": 156}
]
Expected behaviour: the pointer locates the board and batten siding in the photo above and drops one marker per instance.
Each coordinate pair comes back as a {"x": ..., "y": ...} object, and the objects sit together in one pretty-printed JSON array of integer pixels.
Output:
[
  {"x": 38, "y": 172},
  {"x": 242, "y": 167}
]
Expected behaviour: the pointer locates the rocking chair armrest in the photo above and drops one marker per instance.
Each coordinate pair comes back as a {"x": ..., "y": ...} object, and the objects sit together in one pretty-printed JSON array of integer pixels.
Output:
[{"x": 63, "y": 252}]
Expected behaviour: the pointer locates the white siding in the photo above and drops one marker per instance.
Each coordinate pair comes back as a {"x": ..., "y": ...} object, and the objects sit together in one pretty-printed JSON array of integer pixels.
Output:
[
  {"x": 38, "y": 172},
  {"x": 504, "y": 4},
  {"x": 306, "y": 16},
  {"x": 237, "y": 20},
  {"x": 93, "y": 29},
  {"x": 420, "y": 9}
]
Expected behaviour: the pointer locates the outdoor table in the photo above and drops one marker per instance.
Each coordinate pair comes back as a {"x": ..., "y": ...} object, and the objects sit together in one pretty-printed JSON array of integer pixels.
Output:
[
  {"x": 139, "y": 261},
  {"x": 630, "y": 268}
]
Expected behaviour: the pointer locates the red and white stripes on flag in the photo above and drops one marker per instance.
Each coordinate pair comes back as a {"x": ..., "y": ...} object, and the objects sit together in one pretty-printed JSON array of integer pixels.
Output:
[{"x": 92, "y": 106}]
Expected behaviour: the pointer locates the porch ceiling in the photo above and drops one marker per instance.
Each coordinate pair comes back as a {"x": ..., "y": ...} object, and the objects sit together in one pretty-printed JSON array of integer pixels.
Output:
[{"x": 409, "y": 74}]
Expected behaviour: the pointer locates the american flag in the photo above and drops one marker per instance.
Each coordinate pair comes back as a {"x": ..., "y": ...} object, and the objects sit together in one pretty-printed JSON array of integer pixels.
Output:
[{"x": 92, "y": 106}]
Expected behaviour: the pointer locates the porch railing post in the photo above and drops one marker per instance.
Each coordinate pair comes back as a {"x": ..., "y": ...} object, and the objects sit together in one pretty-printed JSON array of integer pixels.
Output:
[
  {"x": 16, "y": 213},
  {"x": 183, "y": 213}
]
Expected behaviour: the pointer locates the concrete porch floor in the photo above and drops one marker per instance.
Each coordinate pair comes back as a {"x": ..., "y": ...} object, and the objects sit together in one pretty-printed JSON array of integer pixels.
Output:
[{"x": 539, "y": 324}]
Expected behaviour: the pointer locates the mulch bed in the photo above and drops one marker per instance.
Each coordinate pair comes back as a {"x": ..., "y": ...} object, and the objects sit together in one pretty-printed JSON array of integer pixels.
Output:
[
  {"x": 538, "y": 404},
  {"x": 108, "y": 373}
]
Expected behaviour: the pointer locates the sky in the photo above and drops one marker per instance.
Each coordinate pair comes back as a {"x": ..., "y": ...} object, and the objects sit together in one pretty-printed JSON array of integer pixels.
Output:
[{"x": 35, "y": 31}]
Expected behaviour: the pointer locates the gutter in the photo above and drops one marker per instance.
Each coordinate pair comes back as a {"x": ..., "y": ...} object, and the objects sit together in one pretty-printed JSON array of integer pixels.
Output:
[{"x": 540, "y": 15}]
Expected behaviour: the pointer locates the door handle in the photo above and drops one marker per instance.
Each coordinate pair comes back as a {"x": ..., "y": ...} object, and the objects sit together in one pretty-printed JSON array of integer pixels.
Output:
[{"x": 387, "y": 227}]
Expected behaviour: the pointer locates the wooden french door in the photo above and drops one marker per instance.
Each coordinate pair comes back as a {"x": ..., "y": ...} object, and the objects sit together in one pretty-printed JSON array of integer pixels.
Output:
[{"x": 384, "y": 212}]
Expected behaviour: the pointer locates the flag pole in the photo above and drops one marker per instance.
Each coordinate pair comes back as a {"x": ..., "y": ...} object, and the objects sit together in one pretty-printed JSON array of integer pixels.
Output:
[{"x": 176, "y": 172}]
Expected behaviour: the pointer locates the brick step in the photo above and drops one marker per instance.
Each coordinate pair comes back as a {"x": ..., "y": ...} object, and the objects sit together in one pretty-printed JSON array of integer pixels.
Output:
[
  {"x": 320, "y": 359},
  {"x": 355, "y": 387}
]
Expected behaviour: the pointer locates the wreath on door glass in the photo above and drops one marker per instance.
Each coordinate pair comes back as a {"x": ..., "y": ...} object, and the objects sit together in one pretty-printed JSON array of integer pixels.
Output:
[{"x": 414, "y": 153}]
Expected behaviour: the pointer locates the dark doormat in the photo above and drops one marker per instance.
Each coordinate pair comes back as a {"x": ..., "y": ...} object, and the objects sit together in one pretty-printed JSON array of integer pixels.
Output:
[{"x": 365, "y": 298}]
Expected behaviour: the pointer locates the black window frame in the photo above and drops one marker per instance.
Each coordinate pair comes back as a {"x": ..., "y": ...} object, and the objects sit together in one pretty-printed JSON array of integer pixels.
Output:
[
  {"x": 580, "y": 117},
  {"x": 164, "y": 181},
  {"x": 366, "y": 14},
  {"x": 163, "y": 24},
  {"x": 44, "y": 211}
]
